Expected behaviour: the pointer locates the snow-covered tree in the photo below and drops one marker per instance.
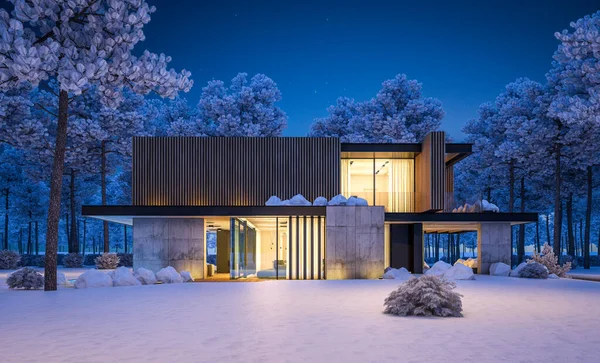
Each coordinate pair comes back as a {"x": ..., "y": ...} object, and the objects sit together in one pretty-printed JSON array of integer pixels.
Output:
[
  {"x": 245, "y": 108},
  {"x": 398, "y": 113},
  {"x": 80, "y": 44}
]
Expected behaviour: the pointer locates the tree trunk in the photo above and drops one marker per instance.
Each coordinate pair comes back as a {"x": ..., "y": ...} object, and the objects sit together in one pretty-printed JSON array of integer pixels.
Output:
[
  {"x": 437, "y": 247},
  {"x": 37, "y": 239},
  {"x": 67, "y": 231},
  {"x": 557, "y": 204},
  {"x": 20, "y": 240},
  {"x": 537, "y": 236},
  {"x": 570, "y": 236},
  {"x": 511, "y": 187},
  {"x": 548, "y": 230},
  {"x": 581, "y": 237},
  {"x": 74, "y": 234},
  {"x": 7, "y": 193},
  {"x": 55, "y": 193},
  {"x": 125, "y": 236},
  {"x": 29, "y": 241},
  {"x": 103, "y": 189},
  {"x": 521, "y": 243},
  {"x": 84, "y": 235}
]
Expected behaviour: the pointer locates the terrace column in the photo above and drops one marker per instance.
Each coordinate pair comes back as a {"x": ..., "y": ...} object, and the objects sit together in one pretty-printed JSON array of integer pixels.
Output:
[{"x": 493, "y": 245}]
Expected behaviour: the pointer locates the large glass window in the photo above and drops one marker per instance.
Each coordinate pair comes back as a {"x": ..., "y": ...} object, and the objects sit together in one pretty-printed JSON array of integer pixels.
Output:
[{"x": 383, "y": 182}]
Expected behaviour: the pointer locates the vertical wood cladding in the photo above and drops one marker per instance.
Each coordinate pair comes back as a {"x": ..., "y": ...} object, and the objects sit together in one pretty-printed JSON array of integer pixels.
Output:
[
  {"x": 233, "y": 171},
  {"x": 430, "y": 173}
]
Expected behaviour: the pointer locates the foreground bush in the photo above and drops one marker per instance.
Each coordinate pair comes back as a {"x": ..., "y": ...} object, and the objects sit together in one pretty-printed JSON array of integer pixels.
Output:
[
  {"x": 9, "y": 260},
  {"x": 548, "y": 259},
  {"x": 125, "y": 259},
  {"x": 26, "y": 278},
  {"x": 107, "y": 261},
  {"x": 427, "y": 295},
  {"x": 73, "y": 260},
  {"x": 534, "y": 270}
]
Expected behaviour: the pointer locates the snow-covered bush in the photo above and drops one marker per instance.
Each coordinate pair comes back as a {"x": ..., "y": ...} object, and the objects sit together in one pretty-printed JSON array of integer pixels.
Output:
[
  {"x": 107, "y": 261},
  {"x": 566, "y": 258},
  {"x": 145, "y": 276},
  {"x": 26, "y": 278},
  {"x": 534, "y": 270},
  {"x": 516, "y": 272},
  {"x": 548, "y": 259},
  {"x": 168, "y": 275},
  {"x": 125, "y": 259},
  {"x": 123, "y": 276},
  {"x": 93, "y": 278},
  {"x": 425, "y": 296},
  {"x": 9, "y": 260},
  {"x": 73, "y": 260}
]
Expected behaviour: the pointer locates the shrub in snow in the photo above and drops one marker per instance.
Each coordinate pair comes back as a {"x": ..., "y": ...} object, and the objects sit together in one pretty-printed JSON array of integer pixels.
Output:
[
  {"x": 299, "y": 199},
  {"x": 9, "y": 260},
  {"x": 534, "y": 270},
  {"x": 107, "y": 261},
  {"x": 93, "y": 278},
  {"x": 168, "y": 275},
  {"x": 459, "y": 272},
  {"x": 320, "y": 201},
  {"x": 516, "y": 271},
  {"x": 338, "y": 200},
  {"x": 73, "y": 260},
  {"x": 425, "y": 296},
  {"x": 499, "y": 269},
  {"x": 438, "y": 268},
  {"x": 61, "y": 279},
  {"x": 548, "y": 259},
  {"x": 397, "y": 273},
  {"x": 356, "y": 201},
  {"x": 186, "y": 276},
  {"x": 125, "y": 259},
  {"x": 145, "y": 276},
  {"x": 32, "y": 260},
  {"x": 566, "y": 258},
  {"x": 123, "y": 276},
  {"x": 273, "y": 200},
  {"x": 26, "y": 278}
]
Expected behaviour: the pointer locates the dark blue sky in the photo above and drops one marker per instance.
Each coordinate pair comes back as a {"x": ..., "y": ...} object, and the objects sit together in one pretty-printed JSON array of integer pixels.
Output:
[{"x": 463, "y": 52}]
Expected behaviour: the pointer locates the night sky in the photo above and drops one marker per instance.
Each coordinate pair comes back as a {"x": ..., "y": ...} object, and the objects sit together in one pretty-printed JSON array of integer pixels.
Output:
[{"x": 464, "y": 53}]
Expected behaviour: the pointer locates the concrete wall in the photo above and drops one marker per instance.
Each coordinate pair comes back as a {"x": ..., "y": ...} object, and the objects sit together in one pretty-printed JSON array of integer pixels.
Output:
[
  {"x": 162, "y": 242},
  {"x": 354, "y": 242},
  {"x": 493, "y": 245}
]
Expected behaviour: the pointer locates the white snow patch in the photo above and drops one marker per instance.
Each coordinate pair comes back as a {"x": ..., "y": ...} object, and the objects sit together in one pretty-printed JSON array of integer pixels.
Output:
[
  {"x": 93, "y": 278},
  {"x": 61, "y": 279},
  {"x": 299, "y": 199},
  {"x": 438, "y": 268},
  {"x": 397, "y": 273},
  {"x": 320, "y": 201},
  {"x": 357, "y": 201},
  {"x": 186, "y": 276},
  {"x": 338, "y": 200},
  {"x": 273, "y": 200},
  {"x": 553, "y": 276},
  {"x": 489, "y": 207},
  {"x": 515, "y": 272},
  {"x": 459, "y": 272},
  {"x": 168, "y": 275}
]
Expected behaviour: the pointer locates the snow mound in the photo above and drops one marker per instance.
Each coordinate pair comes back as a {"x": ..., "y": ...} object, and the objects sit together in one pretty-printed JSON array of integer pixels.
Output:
[
  {"x": 273, "y": 200},
  {"x": 397, "y": 273},
  {"x": 93, "y": 278},
  {"x": 61, "y": 279},
  {"x": 356, "y": 201},
  {"x": 553, "y": 276},
  {"x": 299, "y": 199},
  {"x": 145, "y": 276},
  {"x": 285, "y": 202},
  {"x": 438, "y": 268},
  {"x": 123, "y": 276},
  {"x": 459, "y": 272},
  {"x": 515, "y": 272},
  {"x": 338, "y": 200},
  {"x": 186, "y": 276},
  {"x": 499, "y": 269},
  {"x": 489, "y": 207},
  {"x": 168, "y": 275},
  {"x": 320, "y": 201}
]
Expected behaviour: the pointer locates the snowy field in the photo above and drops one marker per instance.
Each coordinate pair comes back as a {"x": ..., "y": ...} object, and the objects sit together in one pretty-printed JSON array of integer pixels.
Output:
[{"x": 506, "y": 320}]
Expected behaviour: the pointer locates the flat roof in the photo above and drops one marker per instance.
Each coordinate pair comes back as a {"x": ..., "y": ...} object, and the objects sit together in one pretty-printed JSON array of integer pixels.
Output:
[
  {"x": 454, "y": 151},
  {"x": 464, "y": 218}
]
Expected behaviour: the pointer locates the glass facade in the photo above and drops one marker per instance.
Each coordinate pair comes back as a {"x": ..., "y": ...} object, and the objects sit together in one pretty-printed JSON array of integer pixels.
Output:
[{"x": 384, "y": 182}]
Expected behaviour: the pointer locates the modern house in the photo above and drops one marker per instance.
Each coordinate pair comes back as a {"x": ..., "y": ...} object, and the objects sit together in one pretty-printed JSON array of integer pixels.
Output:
[{"x": 188, "y": 189}]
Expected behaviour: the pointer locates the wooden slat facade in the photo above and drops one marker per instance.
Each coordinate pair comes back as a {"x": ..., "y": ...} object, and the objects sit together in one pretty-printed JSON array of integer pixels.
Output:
[
  {"x": 430, "y": 173},
  {"x": 232, "y": 171}
]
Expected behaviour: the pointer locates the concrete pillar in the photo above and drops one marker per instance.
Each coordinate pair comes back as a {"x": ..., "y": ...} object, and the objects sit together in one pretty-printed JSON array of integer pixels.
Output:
[
  {"x": 177, "y": 242},
  {"x": 354, "y": 242},
  {"x": 493, "y": 245}
]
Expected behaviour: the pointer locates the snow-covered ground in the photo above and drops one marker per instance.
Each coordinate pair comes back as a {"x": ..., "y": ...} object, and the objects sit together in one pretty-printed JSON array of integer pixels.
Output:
[
  {"x": 506, "y": 320},
  {"x": 593, "y": 270}
]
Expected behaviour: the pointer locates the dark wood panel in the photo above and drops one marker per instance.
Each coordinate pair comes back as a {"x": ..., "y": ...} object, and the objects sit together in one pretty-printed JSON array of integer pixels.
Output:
[{"x": 236, "y": 171}]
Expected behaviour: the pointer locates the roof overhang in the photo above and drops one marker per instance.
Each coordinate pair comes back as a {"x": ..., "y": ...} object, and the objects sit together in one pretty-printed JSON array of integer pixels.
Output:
[
  {"x": 456, "y": 152},
  {"x": 462, "y": 218},
  {"x": 125, "y": 214}
]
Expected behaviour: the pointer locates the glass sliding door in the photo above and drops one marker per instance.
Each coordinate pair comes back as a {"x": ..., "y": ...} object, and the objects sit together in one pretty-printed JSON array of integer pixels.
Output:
[{"x": 243, "y": 249}]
